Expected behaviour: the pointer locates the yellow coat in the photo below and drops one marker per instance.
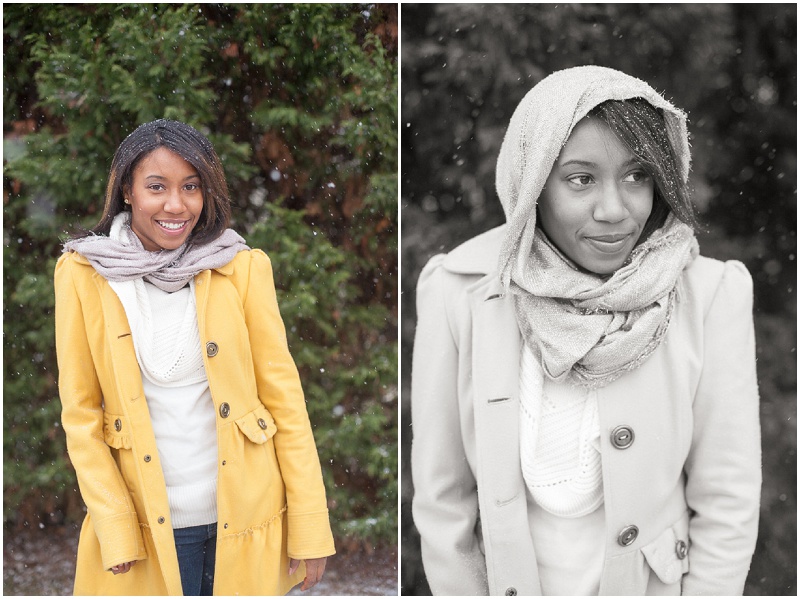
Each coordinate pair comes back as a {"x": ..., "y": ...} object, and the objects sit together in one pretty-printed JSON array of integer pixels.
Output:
[{"x": 270, "y": 499}]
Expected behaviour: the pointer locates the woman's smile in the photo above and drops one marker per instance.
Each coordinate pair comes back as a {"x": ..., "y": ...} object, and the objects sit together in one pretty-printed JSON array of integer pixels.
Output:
[
  {"x": 172, "y": 226},
  {"x": 609, "y": 244}
]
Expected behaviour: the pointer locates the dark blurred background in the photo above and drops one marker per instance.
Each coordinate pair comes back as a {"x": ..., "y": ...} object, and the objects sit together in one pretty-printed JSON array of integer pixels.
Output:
[{"x": 731, "y": 67}]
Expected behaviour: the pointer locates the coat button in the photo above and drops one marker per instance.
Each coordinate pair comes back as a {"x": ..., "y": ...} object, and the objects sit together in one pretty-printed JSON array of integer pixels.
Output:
[
  {"x": 681, "y": 550},
  {"x": 622, "y": 437},
  {"x": 262, "y": 423},
  {"x": 118, "y": 425},
  {"x": 511, "y": 592},
  {"x": 147, "y": 458},
  {"x": 211, "y": 349},
  {"x": 225, "y": 410},
  {"x": 161, "y": 520},
  {"x": 628, "y": 535}
]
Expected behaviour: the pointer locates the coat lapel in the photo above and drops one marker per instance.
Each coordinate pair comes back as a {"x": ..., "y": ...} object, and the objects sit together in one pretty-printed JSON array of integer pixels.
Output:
[
  {"x": 133, "y": 404},
  {"x": 120, "y": 343},
  {"x": 202, "y": 288},
  {"x": 495, "y": 367},
  {"x": 496, "y": 342},
  {"x": 202, "y": 283}
]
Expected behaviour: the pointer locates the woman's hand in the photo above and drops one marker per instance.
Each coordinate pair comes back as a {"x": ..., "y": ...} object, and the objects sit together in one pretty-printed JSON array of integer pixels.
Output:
[
  {"x": 122, "y": 568},
  {"x": 315, "y": 568}
]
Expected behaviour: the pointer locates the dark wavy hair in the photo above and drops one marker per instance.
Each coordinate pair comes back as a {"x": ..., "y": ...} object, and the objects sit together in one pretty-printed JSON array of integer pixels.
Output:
[
  {"x": 194, "y": 148},
  {"x": 641, "y": 127}
]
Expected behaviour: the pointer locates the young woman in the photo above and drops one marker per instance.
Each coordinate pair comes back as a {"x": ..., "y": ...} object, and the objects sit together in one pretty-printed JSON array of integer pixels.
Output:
[
  {"x": 183, "y": 410},
  {"x": 584, "y": 397}
]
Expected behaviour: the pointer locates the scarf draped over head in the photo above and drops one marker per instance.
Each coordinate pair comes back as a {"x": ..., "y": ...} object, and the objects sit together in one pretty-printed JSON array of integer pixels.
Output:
[
  {"x": 582, "y": 327},
  {"x": 120, "y": 256}
]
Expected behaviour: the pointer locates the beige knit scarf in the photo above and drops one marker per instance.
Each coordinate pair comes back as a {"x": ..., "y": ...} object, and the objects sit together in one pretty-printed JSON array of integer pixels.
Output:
[
  {"x": 122, "y": 257},
  {"x": 588, "y": 329},
  {"x": 582, "y": 327}
]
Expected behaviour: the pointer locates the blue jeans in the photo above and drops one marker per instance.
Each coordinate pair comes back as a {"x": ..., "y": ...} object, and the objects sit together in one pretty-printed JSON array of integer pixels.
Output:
[{"x": 196, "y": 547}]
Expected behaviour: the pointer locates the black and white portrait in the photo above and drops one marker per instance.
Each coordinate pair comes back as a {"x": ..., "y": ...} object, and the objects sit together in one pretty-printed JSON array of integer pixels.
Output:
[{"x": 598, "y": 274}]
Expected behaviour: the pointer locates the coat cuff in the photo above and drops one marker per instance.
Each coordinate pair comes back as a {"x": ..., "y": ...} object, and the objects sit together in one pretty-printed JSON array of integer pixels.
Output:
[
  {"x": 310, "y": 535},
  {"x": 120, "y": 539}
]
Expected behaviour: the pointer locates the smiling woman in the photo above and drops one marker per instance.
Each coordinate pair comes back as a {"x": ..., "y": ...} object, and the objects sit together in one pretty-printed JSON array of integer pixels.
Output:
[{"x": 177, "y": 386}]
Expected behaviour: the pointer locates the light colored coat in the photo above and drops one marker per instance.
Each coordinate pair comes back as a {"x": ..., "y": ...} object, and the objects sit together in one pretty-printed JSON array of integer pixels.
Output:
[
  {"x": 692, "y": 474},
  {"x": 270, "y": 499}
]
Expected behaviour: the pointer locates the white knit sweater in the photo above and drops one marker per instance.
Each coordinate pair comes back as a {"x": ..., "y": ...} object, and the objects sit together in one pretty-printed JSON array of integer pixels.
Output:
[
  {"x": 560, "y": 456},
  {"x": 167, "y": 343},
  {"x": 559, "y": 442}
]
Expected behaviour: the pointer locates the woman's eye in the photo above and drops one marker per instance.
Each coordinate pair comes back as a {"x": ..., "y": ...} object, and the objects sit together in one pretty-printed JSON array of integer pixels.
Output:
[
  {"x": 636, "y": 177},
  {"x": 581, "y": 180},
  {"x": 155, "y": 187},
  {"x": 191, "y": 186}
]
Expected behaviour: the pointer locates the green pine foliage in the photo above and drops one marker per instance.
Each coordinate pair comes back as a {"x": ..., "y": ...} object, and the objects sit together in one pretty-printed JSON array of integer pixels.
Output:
[
  {"x": 354, "y": 399},
  {"x": 300, "y": 103}
]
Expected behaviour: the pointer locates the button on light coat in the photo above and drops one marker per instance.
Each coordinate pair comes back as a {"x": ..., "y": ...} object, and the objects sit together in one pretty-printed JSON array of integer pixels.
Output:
[
  {"x": 681, "y": 491},
  {"x": 270, "y": 500}
]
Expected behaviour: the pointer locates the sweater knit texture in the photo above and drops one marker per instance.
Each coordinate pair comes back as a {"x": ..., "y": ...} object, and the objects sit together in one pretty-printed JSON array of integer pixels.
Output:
[{"x": 559, "y": 442}]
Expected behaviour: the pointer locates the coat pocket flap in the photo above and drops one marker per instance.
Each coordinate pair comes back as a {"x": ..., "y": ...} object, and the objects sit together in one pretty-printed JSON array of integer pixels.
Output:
[
  {"x": 668, "y": 555},
  {"x": 116, "y": 433},
  {"x": 258, "y": 425}
]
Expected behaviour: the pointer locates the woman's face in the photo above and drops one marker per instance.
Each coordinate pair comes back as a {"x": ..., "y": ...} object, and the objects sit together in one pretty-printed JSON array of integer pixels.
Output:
[
  {"x": 166, "y": 200},
  {"x": 596, "y": 200}
]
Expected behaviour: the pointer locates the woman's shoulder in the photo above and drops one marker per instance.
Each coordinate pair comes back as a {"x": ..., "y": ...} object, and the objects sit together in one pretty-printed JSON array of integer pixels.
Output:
[
  {"x": 713, "y": 280},
  {"x": 71, "y": 257},
  {"x": 476, "y": 256},
  {"x": 449, "y": 276},
  {"x": 73, "y": 263},
  {"x": 244, "y": 260}
]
